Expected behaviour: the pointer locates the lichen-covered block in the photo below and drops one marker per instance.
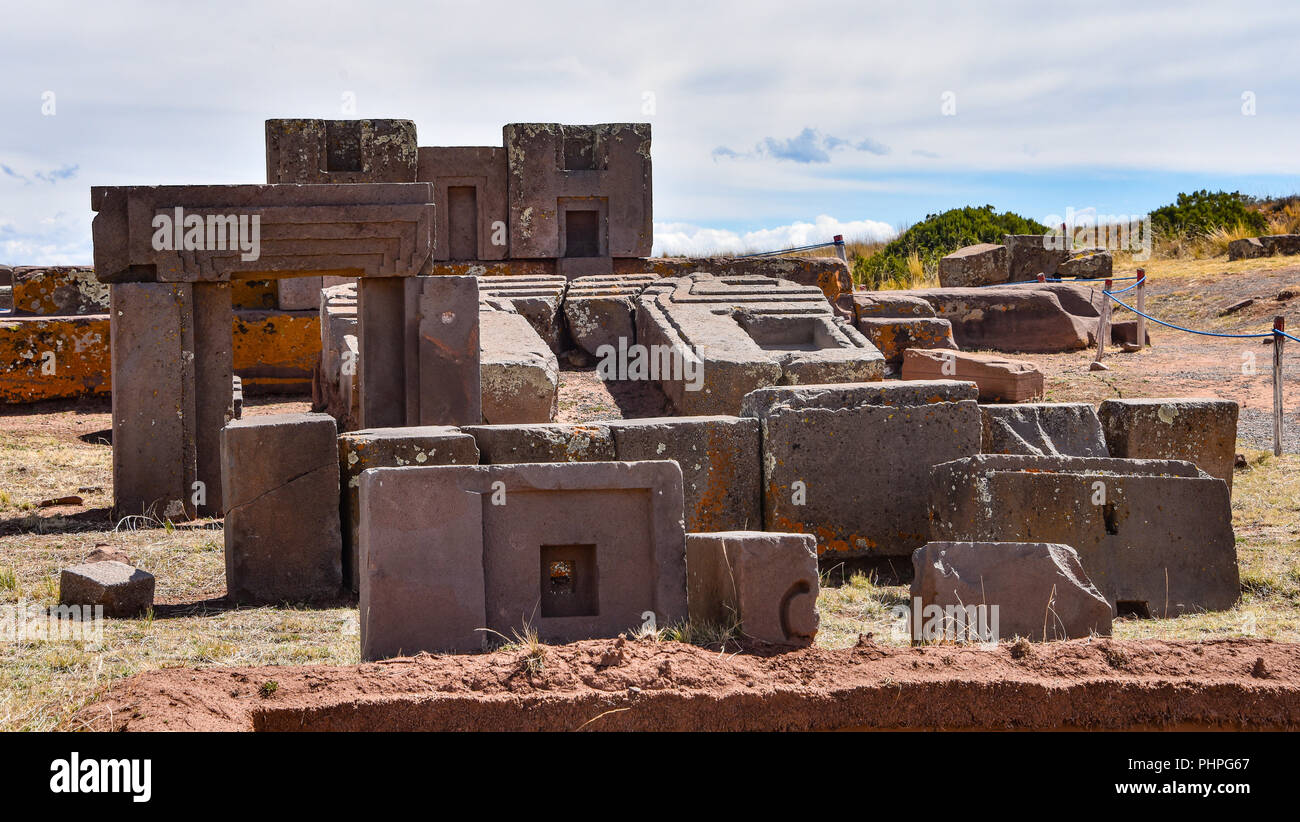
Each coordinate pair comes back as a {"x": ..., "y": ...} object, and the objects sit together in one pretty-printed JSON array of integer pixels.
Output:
[
  {"x": 1155, "y": 536},
  {"x": 519, "y": 372},
  {"x": 974, "y": 265},
  {"x": 58, "y": 290},
  {"x": 538, "y": 298},
  {"x": 390, "y": 448},
  {"x": 47, "y": 358},
  {"x": 122, "y": 590},
  {"x": 341, "y": 151},
  {"x": 579, "y": 191},
  {"x": 1202, "y": 431},
  {"x": 1040, "y": 592},
  {"x": 894, "y": 335},
  {"x": 999, "y": 378},
  {"x": 719, "y": 458},
  {"x": 600, "y": 311},
  {"x": 764, "y": 582},
  {"x": 546, "y": 442},
  {"x": 453, "y": 556},
  {"x": 275, "y": 352},
  {"x": 281, "y": 484},
  {"x": 1029, "y": 255},
  {"x": 849, "y": 463},
  {"x": 1045, "y": 429},
  {"x": 830, "y": 274}
]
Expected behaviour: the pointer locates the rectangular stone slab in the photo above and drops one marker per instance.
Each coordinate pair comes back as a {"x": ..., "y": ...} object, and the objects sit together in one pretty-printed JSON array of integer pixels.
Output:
[
  {"x": 849, "y": 463},
  {"x": 1064, "y": 429},
  {"x": 1200, "y": 430},
  {"x": 447, "y": 551},
  {"x": 765, "y": 582},
  {"x": 1156, "y": 534},
  {"x": 365, "y": 229},
  {"x": 999, "y": 378},
  {"x": 281, "y": 475}
]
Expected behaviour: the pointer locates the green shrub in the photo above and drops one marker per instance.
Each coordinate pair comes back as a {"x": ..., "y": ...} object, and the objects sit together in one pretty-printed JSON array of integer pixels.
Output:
[
  {"x": 937, "y": 236},
  {"x": 1201, "y": 212}
]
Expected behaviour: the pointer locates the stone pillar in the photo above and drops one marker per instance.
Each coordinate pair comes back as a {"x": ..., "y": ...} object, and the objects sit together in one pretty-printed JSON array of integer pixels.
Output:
[
  {"x": 213, "y": 387},
  {"x": 152, "y": 344},
  {"x": 443, "y": 382}
]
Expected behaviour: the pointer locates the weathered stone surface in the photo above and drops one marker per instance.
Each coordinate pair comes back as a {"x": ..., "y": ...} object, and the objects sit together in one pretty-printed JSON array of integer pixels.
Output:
[
  {"x": 579, "y": 191},
  {"x": 830, "y": 274},
  {"x": 304, "y": 293},
  {"x": 1092, "y": 264},
  {"x": 998, "y": 378},
  {"x": 1052, "y": 429},
  {"x": 848, "y": 463},
  {"x": 1041, "y": 591},
  {"x": 974, "y": 265},
  {"x": 1277, "y": 244},
  {"x": 124, "y": 591},
  {"x": 732, "y": 335},
  {"x": 283, "y": 542},
  {"x": 892, "y": 336},
  {"x": 57, "y": 291},
  {"x": 1012, "y": 318},
  {"x": 599, "y": 311},
  {"x": 440, "y": 561},
  {"x": 1154, "y": 536},
  {"x": 274, "y": 351},
  {"x": 334, "y": 380},
  {"x": 765, "y": 582},
  {"x": 469, "y": 190},
  {"x": 886, "y": 304},
  {"x": 1202, "y": 431},
  {"x": 390, "y": 448},
  {"x": 719, "y": 461},
  {"x": 340, "y": 151},
  {"x": 520, "y": 374},
  {"x": 46, "y": 358},
  {"x": 1246, "y": 248},
  {"x": 364, "y": 229},
  {"x": 1029, "y": 255},
  {"x": 547, "y": 442},
  {"x": 537, "y": 298}
]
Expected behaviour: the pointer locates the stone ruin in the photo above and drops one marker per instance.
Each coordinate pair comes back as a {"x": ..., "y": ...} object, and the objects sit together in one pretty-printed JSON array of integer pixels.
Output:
[{"x": 439, "y": 490}]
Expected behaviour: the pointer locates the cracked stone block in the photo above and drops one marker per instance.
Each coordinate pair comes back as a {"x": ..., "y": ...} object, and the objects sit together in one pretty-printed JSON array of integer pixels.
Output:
[
  {"x": 124, "y": 591},
  {"x": 391, "y": 448},
  {"x": 719, "y": 460},
  {"x": 1040, "y": 590},
  {"x": 1155, "y": 536},
  {"x": 576, "y": 551},
  {"x": 1044, "y": 429},
  {"x": 999, "y": 378},
  {"x": 765, "y": 582},
  {"x": 850, "y": 463},
  {"x": 281, "y": 483},
  {"x": 1202, "y": 431}
]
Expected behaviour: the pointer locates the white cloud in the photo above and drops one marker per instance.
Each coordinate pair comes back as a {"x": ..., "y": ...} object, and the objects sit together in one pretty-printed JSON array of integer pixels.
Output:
[{"x": 685, "y": 239}]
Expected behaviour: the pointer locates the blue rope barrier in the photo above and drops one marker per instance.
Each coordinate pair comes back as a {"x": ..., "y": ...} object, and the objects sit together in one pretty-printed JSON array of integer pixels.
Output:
[
  {"x": 1188, "y": 330},
  {"x": 1284, "y": 334},
  {"x": 787, "y": 250}
]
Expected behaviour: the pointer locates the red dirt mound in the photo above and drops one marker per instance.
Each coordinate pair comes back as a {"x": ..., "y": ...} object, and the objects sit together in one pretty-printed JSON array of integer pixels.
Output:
[{"x": 643, "y": 685}]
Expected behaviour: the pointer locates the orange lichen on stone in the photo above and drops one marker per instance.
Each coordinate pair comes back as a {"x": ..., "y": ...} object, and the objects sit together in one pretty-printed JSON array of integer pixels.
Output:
[
  {"x": 46, "y": 358},
  {"x": 276, "y": 351}
]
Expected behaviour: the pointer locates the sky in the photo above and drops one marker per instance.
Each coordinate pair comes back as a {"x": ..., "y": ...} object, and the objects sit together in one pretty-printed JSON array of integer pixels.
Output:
[{"x": 774, "y": 124}]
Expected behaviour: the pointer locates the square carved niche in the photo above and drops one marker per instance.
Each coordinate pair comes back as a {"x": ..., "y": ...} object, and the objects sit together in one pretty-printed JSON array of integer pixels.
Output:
[{"x": 568, "y": 581}]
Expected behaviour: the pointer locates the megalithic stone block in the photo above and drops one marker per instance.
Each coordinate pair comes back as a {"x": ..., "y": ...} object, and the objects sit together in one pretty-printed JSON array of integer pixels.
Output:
[
  {"x": 283, "y": 542},
  {"x": 341, "y": 151},
  {"x": 765, "y": 582},
  {"x": 218, "y": 233},
  {"x": 1202, "y": 431},
  {"x": 469, "y": 189},
  {"x": 152, "y": 348},
  {"x": 214, "y": 404},
  {"x": 420, "y": 357}
]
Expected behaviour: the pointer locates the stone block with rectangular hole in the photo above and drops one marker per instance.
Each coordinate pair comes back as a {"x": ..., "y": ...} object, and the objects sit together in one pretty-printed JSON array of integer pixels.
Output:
[
  {"x": 850, "y": 463},
  {"x": 283, "y": 542},
  {"x": 719, "y": 461},
  {"x": 1202, "y": 431},
  {"x": 340, "y": 151},
  {"x": 999, "y": 378},
  {"x": 1044, "y": 429},
  {"x": 1040, "y": 591},
  {"x": 574, "y": 551},
  {"x": 766, "y": 583},
  {"x": 469, "y": 190},
  {"x": 390, "y": 448},
  {"x": 1155, "y": 536}
]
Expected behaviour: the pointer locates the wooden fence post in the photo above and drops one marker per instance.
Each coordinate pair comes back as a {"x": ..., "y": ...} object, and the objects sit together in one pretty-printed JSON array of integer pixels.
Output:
[
  {"x": 839, "y": 247},
  {"x": 1103, "y": 324},
  {"x": 1142, "y": 308},
  {"x": 1279, "y": 324}
]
